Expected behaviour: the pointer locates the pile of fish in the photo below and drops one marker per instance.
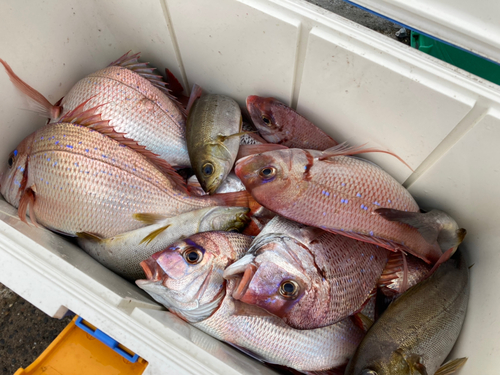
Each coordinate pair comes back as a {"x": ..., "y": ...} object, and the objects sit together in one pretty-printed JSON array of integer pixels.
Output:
[{"x": 156, "y": 186}]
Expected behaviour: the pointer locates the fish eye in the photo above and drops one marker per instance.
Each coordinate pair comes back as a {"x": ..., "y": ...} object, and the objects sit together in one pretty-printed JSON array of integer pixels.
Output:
[
  {"x": 192, "y": 255},
  {"x": 207, "y": 169},
  {"x": 267, "y": 173},
  {"x": 266, "y": 119},
  {"x": 233, "y": 230},
  {"x": 289, "y": 289},
  {"x": 368, "y": 372},
  {"x": 11, "y": 161}
]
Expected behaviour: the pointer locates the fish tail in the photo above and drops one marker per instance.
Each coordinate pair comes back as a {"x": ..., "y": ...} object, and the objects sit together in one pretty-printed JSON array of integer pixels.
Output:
[
  {"x": 236, "y": 199},
  {"x": 36, "y": 101}
]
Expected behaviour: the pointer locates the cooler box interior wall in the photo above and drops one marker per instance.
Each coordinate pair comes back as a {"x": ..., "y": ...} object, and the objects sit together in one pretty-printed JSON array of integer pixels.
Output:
[{"x": 355, "y": 84}]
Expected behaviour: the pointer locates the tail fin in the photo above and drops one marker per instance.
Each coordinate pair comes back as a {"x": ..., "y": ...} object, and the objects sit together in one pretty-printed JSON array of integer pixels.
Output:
[{"x": 36, "y": 101}]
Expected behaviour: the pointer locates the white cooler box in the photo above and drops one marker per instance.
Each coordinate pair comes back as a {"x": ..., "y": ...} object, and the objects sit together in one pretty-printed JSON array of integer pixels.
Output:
[{"x": 352, "y": 82}]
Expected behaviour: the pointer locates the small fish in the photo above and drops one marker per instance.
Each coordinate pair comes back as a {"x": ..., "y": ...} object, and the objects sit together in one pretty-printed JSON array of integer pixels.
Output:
[
  {"x": 187, "y": 279},
  {"x": 72, "y": 179},
  {"x": 134, "y": 100},
  {"x": 278, "y": 123},
  {"x": 417, "y": 331},
  {"x": 123, "y": 253},
  {"x": 308, "y": 277},
  {"x": 213, "y": 137},
  {"x": 336, "y": 193}
]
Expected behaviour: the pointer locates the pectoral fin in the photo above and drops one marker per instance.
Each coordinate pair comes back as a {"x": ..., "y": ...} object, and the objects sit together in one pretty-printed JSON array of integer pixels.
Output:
[
  {"x": 27, "y": 202},
  {"x": 148, "y": 218},
  {"x": 451, "y": 367},
  {"x": 89, "y": 237},
  {"x": 150, "y": 237},
  {"x": 223, "y": 138}
]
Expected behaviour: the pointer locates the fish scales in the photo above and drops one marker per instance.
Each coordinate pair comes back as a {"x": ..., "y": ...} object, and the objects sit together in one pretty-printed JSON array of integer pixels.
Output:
[
  {"x": 269, "y": 338},
  {"x": 247, "y": 327},
  {"x": 135, "y": 107},
  {"x": 334, "y": 274},
  {"x": 337, "y": 195},
  {"x": 83, "y": 178},
  {"x": 278, "y": 123},
  {"x": 423, "y": 323}
]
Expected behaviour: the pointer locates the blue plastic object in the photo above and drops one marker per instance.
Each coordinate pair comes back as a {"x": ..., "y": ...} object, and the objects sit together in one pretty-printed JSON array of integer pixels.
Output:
[{"x": 106, "y": 340}]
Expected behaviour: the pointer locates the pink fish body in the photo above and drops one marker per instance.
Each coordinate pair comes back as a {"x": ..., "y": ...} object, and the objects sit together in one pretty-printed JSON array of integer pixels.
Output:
[
  {"x": 339, "y": 194},
  {"x": 134, "y": 101},
  {"x": 74, "y": 179},
  {"x": 187, "y": 279},
  {"x": 308, "y": 277},
  {"x": 278, "y": 123}
]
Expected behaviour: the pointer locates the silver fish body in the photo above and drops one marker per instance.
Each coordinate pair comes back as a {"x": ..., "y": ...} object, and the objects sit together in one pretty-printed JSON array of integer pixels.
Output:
[
  {"x": 212, "y": 123},
  {"x": 419, "y": 329},
  {"x": 123, "y": 253}
]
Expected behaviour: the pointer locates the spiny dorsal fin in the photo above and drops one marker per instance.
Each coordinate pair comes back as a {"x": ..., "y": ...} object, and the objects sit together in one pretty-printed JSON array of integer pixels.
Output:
[
  {"x": 92, "y": 118},
  {"x": 451, "y": 367},
  {"x": 343, "y": 149},
  {"x": 36, "y": 101},
  {"x": 89, "y": 237},
  {"x": 151, "y": 236},
  {"x": 148, "y": 218},
  {"x": 131, "y": 62}
]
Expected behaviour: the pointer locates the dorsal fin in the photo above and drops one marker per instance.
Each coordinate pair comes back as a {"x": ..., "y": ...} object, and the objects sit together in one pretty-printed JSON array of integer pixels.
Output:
[
  {"x": 92, "y": 118},
  {"x": 131, "y": 62},
  {"x": 346, "y": 150}
]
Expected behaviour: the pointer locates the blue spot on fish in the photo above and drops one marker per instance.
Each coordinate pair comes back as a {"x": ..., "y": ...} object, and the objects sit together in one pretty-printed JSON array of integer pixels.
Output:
[
  {"x": 371, "y": 257},
  {"x": 327, "y": 194},
  {"x": 86, "y": 150},
  {"x": 358, "y": 195},
  {"x": 15, "y": 152},
  {"x": 69, "y": 146},
  {"x": 57, "y": 142},
  {"x": 342, "y": 200},
  {"x": 80, "y": 142},
  {"x": 324, "y": 213},
  {"x": 346, "y": 201},
  {"x": 366, "y": 208},
  {"x": 343, "y": 184},
  {"x": 371, "y": 233},
  {"x": 362, "y": 206},
  {"x": 104, "y": 156},
  {"x": 376, "y": 203},
  {"x": 55, "y": 163}
]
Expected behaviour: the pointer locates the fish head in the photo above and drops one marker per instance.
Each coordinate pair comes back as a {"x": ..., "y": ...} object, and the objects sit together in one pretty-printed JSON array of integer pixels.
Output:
[
  {"x": 274, "y": 177},
  {"x": 212, "y": 166},
  {"x": 269, "y": 116},
  {"x": 15, "y": 172},
  {"x": 279, "y": 277},
  {"x": 186, "y": 277},
  {"x": 224, "y": 218}
]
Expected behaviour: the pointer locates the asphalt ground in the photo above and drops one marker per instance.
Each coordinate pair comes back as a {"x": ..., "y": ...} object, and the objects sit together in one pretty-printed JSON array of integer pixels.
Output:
[{"x": 25, "y": 331}]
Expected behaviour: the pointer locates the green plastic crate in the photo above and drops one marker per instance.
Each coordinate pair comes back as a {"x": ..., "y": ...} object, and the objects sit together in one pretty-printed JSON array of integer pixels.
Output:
[{"x": 456, "y": 56}]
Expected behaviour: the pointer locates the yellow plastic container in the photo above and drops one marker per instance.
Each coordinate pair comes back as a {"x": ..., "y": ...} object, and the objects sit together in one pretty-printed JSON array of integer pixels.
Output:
[{"x": 77, "y": 352}]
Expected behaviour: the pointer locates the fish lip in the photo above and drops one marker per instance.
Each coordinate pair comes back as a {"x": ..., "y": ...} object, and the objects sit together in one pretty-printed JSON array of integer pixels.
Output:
[
  {"x": 245, "y": 281},
  {"x": 153, "y": 270}
]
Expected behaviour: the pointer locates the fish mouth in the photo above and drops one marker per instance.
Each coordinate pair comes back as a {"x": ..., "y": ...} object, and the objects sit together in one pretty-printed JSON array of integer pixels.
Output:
[
  {"x": 153, "y": 270},
  {"x": 243, "y": 284}
]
